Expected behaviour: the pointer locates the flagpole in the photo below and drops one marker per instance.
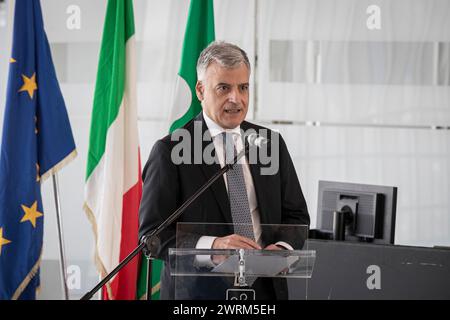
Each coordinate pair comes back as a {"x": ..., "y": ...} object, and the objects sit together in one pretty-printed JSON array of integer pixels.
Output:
[
  {"x": 62, "y": 258},
  {"x": 148, "y": 296}
]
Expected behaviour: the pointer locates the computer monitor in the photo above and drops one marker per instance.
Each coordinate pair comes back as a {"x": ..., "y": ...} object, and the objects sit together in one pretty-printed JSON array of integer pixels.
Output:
[{"x": 357, "y": 212}]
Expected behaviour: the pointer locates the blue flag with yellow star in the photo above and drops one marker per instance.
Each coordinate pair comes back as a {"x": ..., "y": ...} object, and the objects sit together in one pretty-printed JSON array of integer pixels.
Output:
[{"x": 37, "y": 140}]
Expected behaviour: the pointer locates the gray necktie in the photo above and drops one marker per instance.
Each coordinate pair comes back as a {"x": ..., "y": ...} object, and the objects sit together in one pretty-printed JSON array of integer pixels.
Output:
[{"x": 240, "y": 208}]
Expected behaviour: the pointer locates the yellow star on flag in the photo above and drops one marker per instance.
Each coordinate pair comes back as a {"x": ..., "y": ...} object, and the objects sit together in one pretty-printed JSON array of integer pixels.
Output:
[
  {"x": 31, "y": 214},
  {"x": 12, "y": 60},
  {"x": 29, "y": 84},
  {"x": 3, "y": 241}
]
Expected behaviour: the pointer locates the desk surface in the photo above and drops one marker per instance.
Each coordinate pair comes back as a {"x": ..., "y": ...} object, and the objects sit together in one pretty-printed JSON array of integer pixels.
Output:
[{"x": 345, "y": 270}]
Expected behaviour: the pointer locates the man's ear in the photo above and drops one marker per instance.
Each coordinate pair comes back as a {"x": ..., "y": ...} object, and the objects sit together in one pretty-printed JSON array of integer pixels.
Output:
[{"x": 199, "y": 90}]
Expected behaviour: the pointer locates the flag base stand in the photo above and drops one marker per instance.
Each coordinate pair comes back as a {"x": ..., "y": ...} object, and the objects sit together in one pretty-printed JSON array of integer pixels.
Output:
[{"x": 150, "y": 252}]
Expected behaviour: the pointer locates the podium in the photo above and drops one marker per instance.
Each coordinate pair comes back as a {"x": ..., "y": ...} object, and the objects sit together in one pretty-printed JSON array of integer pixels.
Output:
[{"x": 238, "y": 274}]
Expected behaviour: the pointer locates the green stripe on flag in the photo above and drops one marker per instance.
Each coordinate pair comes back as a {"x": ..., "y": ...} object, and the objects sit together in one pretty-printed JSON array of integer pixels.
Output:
[
  {"x": 109, "y": 87},
  {"x": 198, "y": 34},
  {"x": 142, "y": 279}
]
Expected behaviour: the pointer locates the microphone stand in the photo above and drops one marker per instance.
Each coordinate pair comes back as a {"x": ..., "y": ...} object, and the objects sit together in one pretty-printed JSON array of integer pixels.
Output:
[{"x": 150, "y": 241}]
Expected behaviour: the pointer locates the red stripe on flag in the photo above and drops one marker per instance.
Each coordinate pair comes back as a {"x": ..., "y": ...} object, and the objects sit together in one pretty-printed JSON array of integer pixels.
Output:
[{"x": 123, "y": 287}]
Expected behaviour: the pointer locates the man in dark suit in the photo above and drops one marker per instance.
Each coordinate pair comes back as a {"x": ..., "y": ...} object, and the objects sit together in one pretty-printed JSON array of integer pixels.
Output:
[{"x": 253, "y": 193}]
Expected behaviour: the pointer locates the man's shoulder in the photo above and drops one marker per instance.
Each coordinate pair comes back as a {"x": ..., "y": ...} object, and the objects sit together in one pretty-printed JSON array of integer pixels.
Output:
[
  {"x": 171, "y": 139},
  {"x": 261, "y": 130},
  {"x": 251, "y": 125}
]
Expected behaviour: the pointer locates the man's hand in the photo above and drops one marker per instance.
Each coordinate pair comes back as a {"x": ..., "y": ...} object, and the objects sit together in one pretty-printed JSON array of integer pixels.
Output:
[
  {"x": 273, "y": 247},
  {"x": 233, "y": 241}
]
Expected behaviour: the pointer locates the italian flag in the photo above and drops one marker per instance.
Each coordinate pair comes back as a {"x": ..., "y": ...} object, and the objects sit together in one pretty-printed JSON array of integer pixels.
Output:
[
  {"x": 198, "y": 34},
  {"x": 113, "y": 181}
]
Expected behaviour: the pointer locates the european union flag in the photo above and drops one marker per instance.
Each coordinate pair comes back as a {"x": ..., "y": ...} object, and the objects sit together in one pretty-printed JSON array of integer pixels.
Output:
[{"x": 37, "y": 140}]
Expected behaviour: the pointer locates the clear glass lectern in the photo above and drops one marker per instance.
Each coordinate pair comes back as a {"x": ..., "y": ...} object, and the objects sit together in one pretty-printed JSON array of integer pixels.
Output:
[{"x": 201, "y": 272}]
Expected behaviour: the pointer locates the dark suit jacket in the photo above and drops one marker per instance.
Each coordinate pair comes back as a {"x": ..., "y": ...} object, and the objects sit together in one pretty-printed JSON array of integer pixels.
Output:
[{"x": 167, "y": 186}]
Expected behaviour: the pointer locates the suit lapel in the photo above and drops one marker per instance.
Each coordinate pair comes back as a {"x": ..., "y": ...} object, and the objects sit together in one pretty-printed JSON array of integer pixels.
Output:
[{"x": 218, "y": 188}]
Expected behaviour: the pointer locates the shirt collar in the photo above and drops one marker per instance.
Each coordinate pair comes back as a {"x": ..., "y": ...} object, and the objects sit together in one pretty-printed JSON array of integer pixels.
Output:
[{"x": 215, "y": 129}]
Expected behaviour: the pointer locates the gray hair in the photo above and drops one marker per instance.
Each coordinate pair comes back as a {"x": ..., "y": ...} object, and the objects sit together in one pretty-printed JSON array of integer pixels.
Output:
[{"x": 226, "y": 54}]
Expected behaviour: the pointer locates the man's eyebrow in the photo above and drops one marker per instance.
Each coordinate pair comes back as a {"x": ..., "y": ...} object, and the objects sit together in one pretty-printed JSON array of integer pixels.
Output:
[{"x": 227, "y": 84}]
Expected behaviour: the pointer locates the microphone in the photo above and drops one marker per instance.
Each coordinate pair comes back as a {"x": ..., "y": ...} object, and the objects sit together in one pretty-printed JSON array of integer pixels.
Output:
[{"x": 256, "y": 140}]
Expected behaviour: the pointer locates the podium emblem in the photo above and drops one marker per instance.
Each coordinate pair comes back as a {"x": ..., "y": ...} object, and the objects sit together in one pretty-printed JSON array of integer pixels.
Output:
[{"x": 240, "y": 294}]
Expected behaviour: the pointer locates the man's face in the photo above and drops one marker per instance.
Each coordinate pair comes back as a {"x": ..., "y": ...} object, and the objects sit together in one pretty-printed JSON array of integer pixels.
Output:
[{"x": 224, "y": 94}]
